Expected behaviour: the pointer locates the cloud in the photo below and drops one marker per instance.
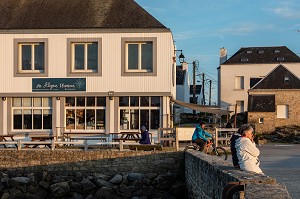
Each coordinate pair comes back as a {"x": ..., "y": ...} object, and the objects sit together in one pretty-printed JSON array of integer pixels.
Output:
[
  {"x": 245, "y": 28},
  {"x": 286, "y": 12},
  {"x": 186, "y": 35},
  {"x": 238, "y": 29}
]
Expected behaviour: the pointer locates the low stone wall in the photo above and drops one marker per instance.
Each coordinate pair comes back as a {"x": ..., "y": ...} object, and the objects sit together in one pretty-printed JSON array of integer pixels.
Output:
[
  {"x": 206, "y": 176},
  {"x": 107, "y": 161},
  {"x": 39, "y": 174}
]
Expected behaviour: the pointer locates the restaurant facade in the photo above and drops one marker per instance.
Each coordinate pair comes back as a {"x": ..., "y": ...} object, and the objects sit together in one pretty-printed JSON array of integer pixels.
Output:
[{"x": 93, "y": 72}]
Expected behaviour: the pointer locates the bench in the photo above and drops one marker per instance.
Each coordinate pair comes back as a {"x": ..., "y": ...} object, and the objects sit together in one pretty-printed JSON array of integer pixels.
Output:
[
  {"x": 101, "y": 139},
  {"x": 145, "y": 147},
  {"x": 127, "y": 139}
]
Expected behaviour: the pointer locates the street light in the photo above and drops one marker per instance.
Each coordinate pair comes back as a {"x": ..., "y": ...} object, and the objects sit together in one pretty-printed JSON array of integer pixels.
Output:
[{"x": 181, "y": 56}]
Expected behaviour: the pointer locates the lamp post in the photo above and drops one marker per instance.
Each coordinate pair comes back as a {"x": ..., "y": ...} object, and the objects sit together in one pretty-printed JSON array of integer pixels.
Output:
[{"x": 181, "y": 56}]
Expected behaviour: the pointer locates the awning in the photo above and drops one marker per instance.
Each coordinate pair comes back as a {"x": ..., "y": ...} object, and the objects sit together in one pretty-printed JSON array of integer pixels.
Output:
[{"x": 202, "y": 108}]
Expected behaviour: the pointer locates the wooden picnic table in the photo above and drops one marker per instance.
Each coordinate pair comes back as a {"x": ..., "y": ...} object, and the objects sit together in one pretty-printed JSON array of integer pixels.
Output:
[
  {"x": 85, "y": 136},
  {"x": 4, "y": 138},
  {"x": 130, "y": 135},
  {"x": 39, "y": 140}
]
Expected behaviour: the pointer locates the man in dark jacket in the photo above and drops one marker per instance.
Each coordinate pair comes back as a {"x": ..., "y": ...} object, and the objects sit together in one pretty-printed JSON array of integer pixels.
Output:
[{"x": 234, "y": 137}]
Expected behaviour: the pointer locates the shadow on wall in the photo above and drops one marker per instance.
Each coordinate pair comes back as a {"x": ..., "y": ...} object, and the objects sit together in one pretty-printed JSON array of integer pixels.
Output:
[{"x": 97, "y": 174}]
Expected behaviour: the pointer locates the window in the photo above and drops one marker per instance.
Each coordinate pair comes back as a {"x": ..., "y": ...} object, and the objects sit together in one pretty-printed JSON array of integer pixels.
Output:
[
  {"x": 31, "y": 57},
  {"x": 280, "y": 58},
  {"x": 239, "y": 82},
  {"x": 276, "y": 51},
  {"x": 261, "y": 120},
  {"x": 261, "y": 103},
  {"x": 244, "y": 59},
  {"x": 261, "y": 51},
  {"x": 254, "y": 81},
  {"x": 85, "y": 113},
  {"x": 32, "y": 113},
  {"x": 195, "y": 101},
  {"x": 138, "y": 111},
  {"x": 287, "y": 79},
  {"x": 282, "y": 111},
  {"x": 240, "y": 106},
  {"x": 84, "y": 56},
  {"x": 139, "y": 56}
]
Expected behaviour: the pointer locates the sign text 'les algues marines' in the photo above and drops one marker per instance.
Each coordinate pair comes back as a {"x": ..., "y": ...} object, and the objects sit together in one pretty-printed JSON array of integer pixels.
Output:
[{"x": 58, "y": 84}]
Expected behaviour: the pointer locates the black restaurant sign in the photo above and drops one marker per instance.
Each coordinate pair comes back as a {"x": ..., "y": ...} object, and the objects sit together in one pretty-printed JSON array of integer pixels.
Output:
[{"x": 58, "y": 84}]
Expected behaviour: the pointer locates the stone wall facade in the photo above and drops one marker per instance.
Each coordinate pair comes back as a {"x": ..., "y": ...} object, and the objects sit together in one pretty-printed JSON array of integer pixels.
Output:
[
  {"x": 76, "y": 174},
  {"x": 100, "y": 161},
  {"x": 206, "y": 176},
  {"x": 282, "y": 97}
]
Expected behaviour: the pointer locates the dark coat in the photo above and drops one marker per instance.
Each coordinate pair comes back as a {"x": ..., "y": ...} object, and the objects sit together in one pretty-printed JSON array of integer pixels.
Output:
[
  {"x": 235, "y": 160},
  {"x": 145, "y": 138}
]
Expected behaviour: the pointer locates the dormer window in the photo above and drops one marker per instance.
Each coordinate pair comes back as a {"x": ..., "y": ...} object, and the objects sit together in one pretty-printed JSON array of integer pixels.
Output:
[
  {"x": 244, "y": 59},
  {"x": 280, "y": 58},
  {"x": 287, "y": 79},
  {"x": 249, "y": 51},
  {"x": 261, "y": 51},
  {"x": 276, "y": 51}
]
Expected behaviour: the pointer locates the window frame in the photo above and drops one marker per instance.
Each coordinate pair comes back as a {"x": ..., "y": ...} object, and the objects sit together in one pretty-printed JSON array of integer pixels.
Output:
[
  {"x": 71, "y": 42},
  {"x": 86, "y": 108},
  {"x": 285, "y": 109},
  {"x": 239, "y": 83},
  {"x": 139, "y": 108},
  {"x": 261, "y": 120},
  {"x": 240, "y": 106},
  {"x": 18, "y": 43},
  {"x": 124, "y": 53},
  {"x": 43, "y": 108}
]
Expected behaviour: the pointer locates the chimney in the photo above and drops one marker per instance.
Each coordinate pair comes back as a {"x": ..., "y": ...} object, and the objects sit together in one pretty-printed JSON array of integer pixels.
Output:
[
  {"x": 185, "y": 66},
  {"x": 223, "y": 55}
]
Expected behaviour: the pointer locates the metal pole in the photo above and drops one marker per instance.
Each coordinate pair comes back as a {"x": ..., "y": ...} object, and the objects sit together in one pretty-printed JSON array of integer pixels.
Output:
[
  {"x": 209, "y": 92},
  {"x": 203, "y": 95},
  {"x": 194, "y": 85}
]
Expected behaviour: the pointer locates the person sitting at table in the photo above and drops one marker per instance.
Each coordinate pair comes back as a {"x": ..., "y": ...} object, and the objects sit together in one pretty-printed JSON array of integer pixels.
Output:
[{"x": 144, "y": 136}]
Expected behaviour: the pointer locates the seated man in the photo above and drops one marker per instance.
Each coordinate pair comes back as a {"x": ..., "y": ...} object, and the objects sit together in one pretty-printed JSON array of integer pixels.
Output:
[
  {"x": 200, "y": 135},
  {"x": 246, "y": 150},
  {"x": 234, "y": 137},
  {"x": 144, "y": 136}
]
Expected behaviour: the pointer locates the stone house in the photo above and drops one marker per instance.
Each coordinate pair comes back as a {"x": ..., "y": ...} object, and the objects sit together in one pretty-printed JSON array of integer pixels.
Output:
[
  {"x": 274, "y": 101},
  {"x": 248, "y": 66}
]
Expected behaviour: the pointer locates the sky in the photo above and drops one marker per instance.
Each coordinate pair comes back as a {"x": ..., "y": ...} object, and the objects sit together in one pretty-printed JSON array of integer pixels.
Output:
[{"x": 201, "y": 27}]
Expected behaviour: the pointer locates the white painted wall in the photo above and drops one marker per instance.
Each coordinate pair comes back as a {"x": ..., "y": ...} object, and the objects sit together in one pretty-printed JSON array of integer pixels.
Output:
[
  {"x": 229, "y": 95},
  {"x": 111, "y": 79}
]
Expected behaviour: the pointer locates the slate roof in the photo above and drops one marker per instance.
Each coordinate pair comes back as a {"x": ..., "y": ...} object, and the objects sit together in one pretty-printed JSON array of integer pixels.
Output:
[
  {"x": 279, "y": 78},
  {"x": 198, "y": 89},
  {"x": 75, "y": 14},
  {"x": 261, "y": 55},
  {"x": 180, "y": 74}
]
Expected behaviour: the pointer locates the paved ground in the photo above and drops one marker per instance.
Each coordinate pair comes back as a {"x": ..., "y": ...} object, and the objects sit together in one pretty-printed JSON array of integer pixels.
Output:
[{"x": 282, "y": 161}]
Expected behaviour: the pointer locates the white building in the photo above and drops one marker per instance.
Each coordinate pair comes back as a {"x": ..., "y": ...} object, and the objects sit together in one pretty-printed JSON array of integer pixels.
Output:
[
  {"x": 89, "y": 66},
  {"x": 184, "y": 90},
  {"x": 246, "y": 67}
]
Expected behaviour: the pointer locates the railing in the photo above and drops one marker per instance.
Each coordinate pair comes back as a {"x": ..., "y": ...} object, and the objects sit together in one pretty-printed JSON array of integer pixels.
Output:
[
  {"x": 223, "y": 135},
  {"x": 53, "y": 144}
]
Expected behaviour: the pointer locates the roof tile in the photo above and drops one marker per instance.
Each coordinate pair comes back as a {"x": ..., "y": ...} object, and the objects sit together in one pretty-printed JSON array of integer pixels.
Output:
[{"x": 74, "y": 14}]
